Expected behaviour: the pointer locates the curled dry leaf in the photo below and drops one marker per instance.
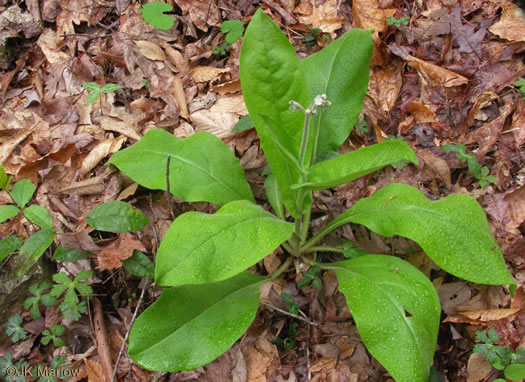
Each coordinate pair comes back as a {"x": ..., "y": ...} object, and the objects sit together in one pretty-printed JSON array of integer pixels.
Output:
[
  {"x": 207, "y": 73},
  {"x": 511, "y": 25},
  {"x": 229, "y": 87},
  {"x": 439, "y": 165},
  {"x": 421, "y": 113},
  {"x": 111, "y": 256},
  {"x": 180, "y": 97},
  {"x": 217, "y": 123},
  {"x": 385, "y": 84},
  {"x": 478, "y": 368},
  {"x": 102, "y": 150},
  {"x": 436, "y": 75},
  {"x": 124, "y": 128},
  {"x": 150, "y": 50},
  {"x": 518, "y": 124}
]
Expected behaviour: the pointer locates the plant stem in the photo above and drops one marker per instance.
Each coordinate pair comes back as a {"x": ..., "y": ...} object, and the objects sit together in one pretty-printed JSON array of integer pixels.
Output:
[
  {"x": 284, "y": 266},
  {"x": 304, "y": 140},
  {"x": 329, "y": 228},
  {"x": 291, "y": 314},
  {"x": 322, "y": 248},
  {"x": 317, "y": 130}
]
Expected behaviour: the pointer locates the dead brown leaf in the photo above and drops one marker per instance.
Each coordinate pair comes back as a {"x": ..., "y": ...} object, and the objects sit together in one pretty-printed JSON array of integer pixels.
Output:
[
  {"x": 323, "y": 16},
  {"x": 111, "y": 256},
  {"x": 478, "y": 368},
  {"x": 229, "y": 87},
  {"x": 511, "y": 25},
  {"x": 436, "y": 75},
  {"x": 151, "y": 50},
  {"x": 202, "y": 12},
  {"x": 100, "y": 151},
  {"x": 438, "y": 165},
  {"x": 385, "y": 84},
  {"x": 207, "y": 73}
]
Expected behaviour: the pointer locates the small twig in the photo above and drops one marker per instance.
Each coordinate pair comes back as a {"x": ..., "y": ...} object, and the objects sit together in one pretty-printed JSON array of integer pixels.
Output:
[
  {"x": 101, "y": 336},
  {"x": 287, "y": 17},
  {"x": 291, "y": 314},
  {"x": 168, "y": 193},
  {"x": 139, "y": 302}
]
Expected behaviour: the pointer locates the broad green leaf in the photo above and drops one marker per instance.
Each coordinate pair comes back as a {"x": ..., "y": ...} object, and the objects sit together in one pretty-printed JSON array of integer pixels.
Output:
[
  {"x": 3, "y": 177},
  {"x": 200, "y": 248},
  {"x": 39, "y": 215},
  {"x": 453, "y": 231},
  {"x": 70, "y": 255},
  {"x": 202, "y": 167},
  {"x": 515, "y": 372},
  {"x": 233, "y": 29},
  {"x": 189, "y": 326},
  {"x": 271, "y": 77},
  {"x": 7, "y": 212},
  {"x": 139, "y": 265},
  {"x": 34, "y": 247},
  {"x": 350, "y": 166},
  {"x": 153, "y": 14},
  {"x": 23, "y": 192},
  {"x": 91, "y": 86},
  {"x": 108, "y": 88},
  {"x": 396, "y": 310},
  {"x": 341, "y": 72},
  {"x": 8, "y": 245},
  {"x": 116, "y": 216},
  {"x": 271, "y": 189}
]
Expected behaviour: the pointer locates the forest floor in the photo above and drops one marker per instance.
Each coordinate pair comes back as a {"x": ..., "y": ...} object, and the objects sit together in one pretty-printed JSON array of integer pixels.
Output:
[{"x": 443, "y": 72}]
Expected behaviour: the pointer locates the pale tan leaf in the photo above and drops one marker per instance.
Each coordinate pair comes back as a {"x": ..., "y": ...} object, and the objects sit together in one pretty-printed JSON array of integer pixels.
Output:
[
  {"x": 478, "y": 368},
  {"x": 180, "y": 97},
  {"x": 217, "y": 123},
  {"x": 438, "y": 164},
  {"x": 323, "y": 364},
  {"x": 111, "y": 256},
  {"x": 207, "y": 73},
  {"x": 323, "y": 16},
  {"x": 124, "y": 128},
  {"x": 489, "y": 314},
  {"x": 516, "y": 206},
  {"x": 511, "y": 25},
  {"x": 202, "y": 13},
  {"x": 48, "y": 43},
  {"x": 436, "y": 75},
  {"x": 369, "y": 15},
  {"x": 385, "y": 84},
  {"x": 94, "y": 371},
  {"x": 518, "y": 124},
  {"x": 150, "y": 50},
  {"x": 229, "y": 87},
  {"x": 453, "y": 294},
  {"x": 100, "y": 151},
  {"x": 421, "y": 113},
  {"x": 256, "y": 364},
  {"x": 230, "y": 104}
]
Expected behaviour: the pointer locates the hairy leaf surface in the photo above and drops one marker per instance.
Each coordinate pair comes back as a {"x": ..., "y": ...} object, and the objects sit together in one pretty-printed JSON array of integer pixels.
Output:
[
  {"x": 200, "y": 248},
  {"x": 396, "y": 310},
  {"x": 189, "y": 326}
]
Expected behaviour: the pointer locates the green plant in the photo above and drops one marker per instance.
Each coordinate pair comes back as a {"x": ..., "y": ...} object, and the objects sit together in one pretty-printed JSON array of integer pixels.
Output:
[
  {"x": 20, "y": 194},
  {"x": 94, "y": 90},
  {"x": 32, "y": 303},
  {"x": 391, "y": 20},
  {"x": 233, "y": 29},
  {"x": 501, "y": 357},
  {"x": 64, "y": 283},
  {"x": 153, "y": 14},
  {"x": 7, "y": 367},
  {"x": 301, "y": 109},
  {"x": 520, "y": 84},
  {"x": 53, "y": 335},
  {"x": 362, "y": 126},
  {"x": 311, "y": 37},
  {"x": 480, "y": 173},
  {"x": 14, "y": 328},
  {"x": 57, "y": 367}
]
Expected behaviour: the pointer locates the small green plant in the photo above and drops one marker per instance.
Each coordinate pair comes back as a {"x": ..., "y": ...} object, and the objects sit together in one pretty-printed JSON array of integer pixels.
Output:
[
  {"x": 21, "y": 194},
  {"x": 13, "y": 372},
  {"x": 291, "y": 305},
  {"x": 520, "y": 84},
  {"x": 480, "y": 173},
  {"x": 311, "y": 276},
  {"x": 391, "y": 20},
  {"x": 301, "y": 109},
  {"x": 33, "y": 303},
  {"x": 311, "y": 38},
  {"x": 94, "y": 90},
  {"x": 501, "y": 357},
  {"x": 14, "y": 328},
  {"x": 233, "y": 30},
  {"x": 65, "y": 284},
  {"x": 57, "y": 366},
  {"x": 288, "y": 343},
  {"x": 54, "y": 335}
]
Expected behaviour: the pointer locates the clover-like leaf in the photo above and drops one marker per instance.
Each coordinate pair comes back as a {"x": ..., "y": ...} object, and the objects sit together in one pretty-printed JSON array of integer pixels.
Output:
[
  {"x": 153, "y": 14},
  {"x": 233, "y": 30}
]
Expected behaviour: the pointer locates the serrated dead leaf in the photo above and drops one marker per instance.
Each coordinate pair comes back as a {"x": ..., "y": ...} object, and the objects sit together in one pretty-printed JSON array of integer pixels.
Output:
[{"x": 229, "y": 87}]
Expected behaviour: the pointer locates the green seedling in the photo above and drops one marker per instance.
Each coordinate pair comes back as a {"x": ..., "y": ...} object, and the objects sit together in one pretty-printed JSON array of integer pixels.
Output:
[
  {"x": 73, "y": 311},
  {"x": 65, "y": 284},
  {"x": 391, "y": 20},
  {"x": 293, "y": 308},
  {"x": 33, "y": 303},
  {"x": 54, "y": 335},
  {"x": 57, "y": 367},
  {"x": 13, "y": 371},
  {"x": 300, "y": 110},
  {"x": 94, "y": 90},
  {"x": 480, "y": 173},
  {"x": 311, "y": 276},
  {"x": 233, "y": 30},
  {"x": 311, "y": 37},
  {"x": 520, "y": 84},
  {"x": 21, "y": 194},
  {"x": 14, "y": 328},
  {"x": 501, "y": 357}
]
